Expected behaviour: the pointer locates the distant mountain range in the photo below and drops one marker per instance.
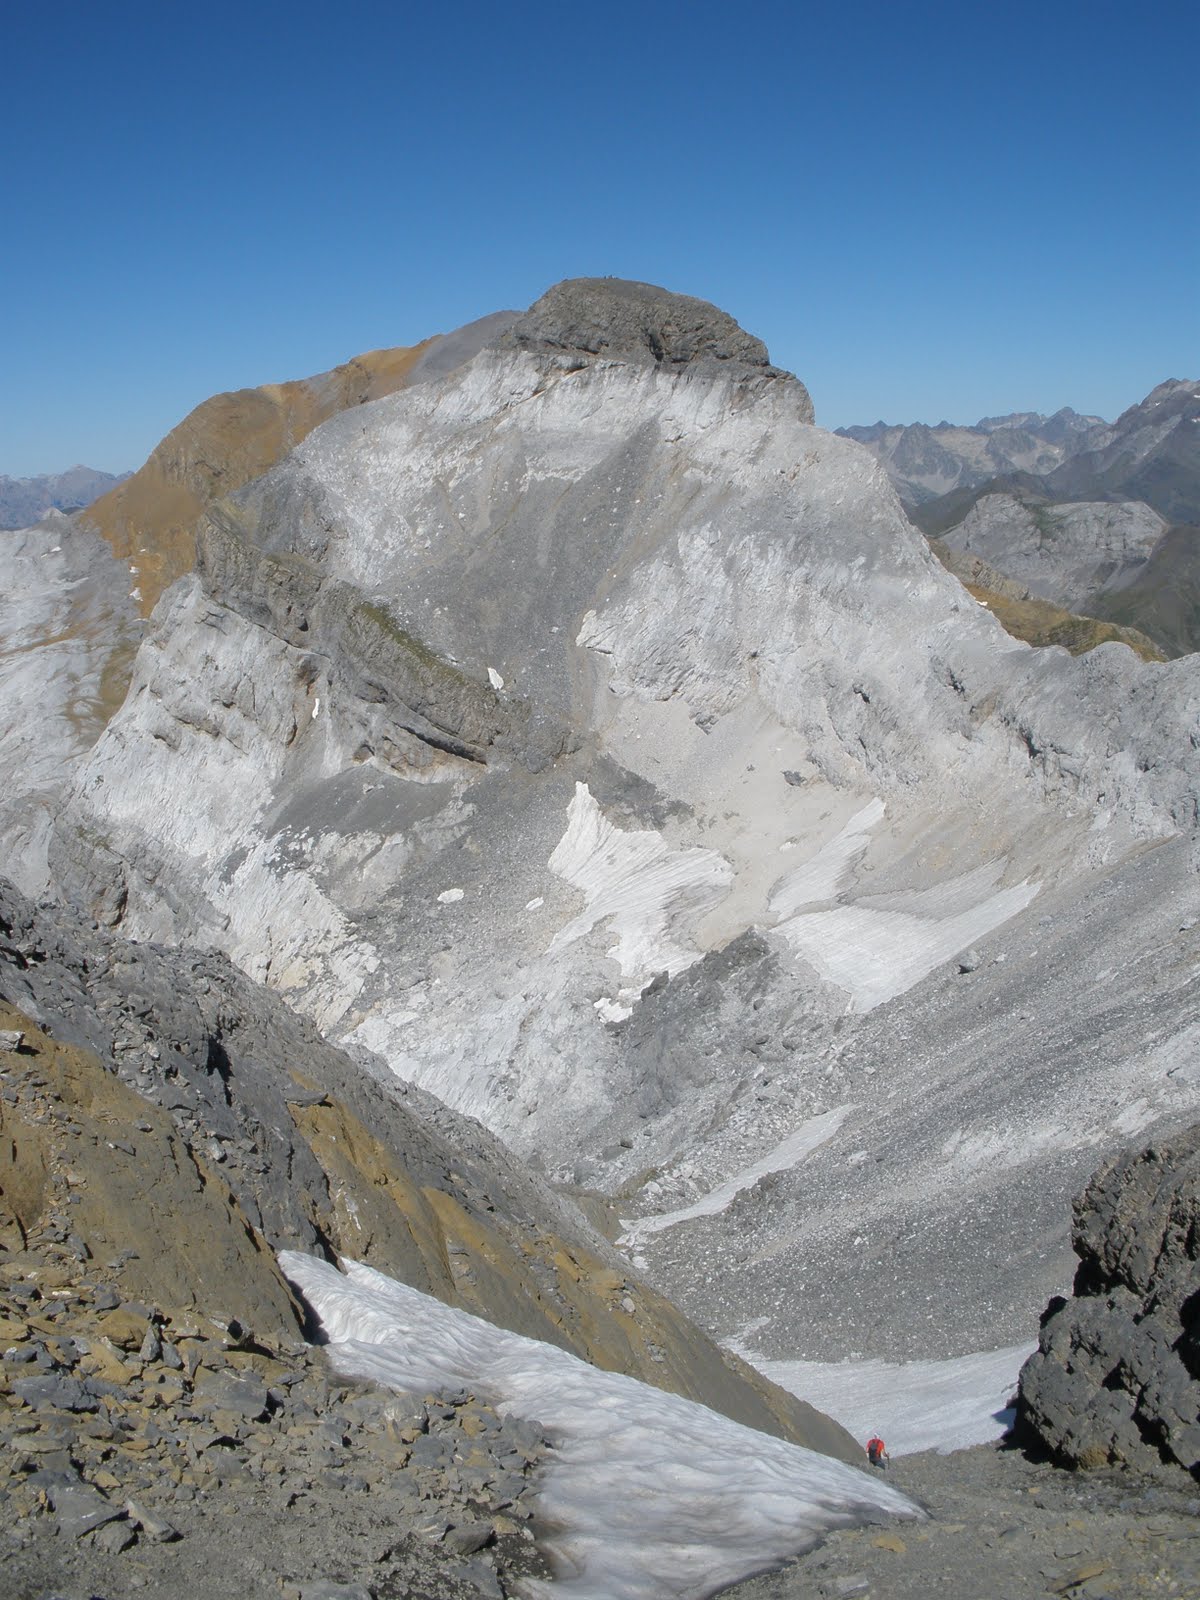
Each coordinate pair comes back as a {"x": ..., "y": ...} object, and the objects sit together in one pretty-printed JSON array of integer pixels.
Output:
[
  {"x": 1151, "y": 453},
  {"x": 24, "y": 501},
  {"x": 927, "y": 462},
  {"x": 1092, "y": 517}
]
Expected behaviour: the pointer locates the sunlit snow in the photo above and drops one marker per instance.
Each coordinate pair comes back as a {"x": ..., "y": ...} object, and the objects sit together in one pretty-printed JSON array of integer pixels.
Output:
[
  {"x": 914, "y": 1405},
  {"x": 650, "y": 895},
  {"x": 825, "y": 874},
  {"x": 647, "y": 1495}
]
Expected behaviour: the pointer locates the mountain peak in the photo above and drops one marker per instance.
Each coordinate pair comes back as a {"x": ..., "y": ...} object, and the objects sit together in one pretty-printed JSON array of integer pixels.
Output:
[{"x": 640, "y": 322}]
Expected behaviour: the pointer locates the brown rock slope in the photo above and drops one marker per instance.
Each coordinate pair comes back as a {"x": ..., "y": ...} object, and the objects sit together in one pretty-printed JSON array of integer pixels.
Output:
[
  {"x": 150, "y": 519},
  {"x": 1037, "y": 622}
]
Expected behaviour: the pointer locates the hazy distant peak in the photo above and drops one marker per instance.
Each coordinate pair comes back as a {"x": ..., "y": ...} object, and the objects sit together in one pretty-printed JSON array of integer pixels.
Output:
[{"x": 25, "y": 501}]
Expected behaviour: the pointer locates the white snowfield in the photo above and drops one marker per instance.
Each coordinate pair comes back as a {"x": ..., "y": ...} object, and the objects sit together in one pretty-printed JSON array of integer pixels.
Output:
[
  {"x": 912, "y": 1405},
  {"x": 650, "y": 1495},
  {"x": 640, "y": 887}
]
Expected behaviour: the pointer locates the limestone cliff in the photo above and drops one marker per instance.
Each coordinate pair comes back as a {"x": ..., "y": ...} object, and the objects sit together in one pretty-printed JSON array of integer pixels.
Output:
[
  {"x": 150, "y": 518},
  {"x": 594, "y": 739},
  {"x": 69, "y": 631}
]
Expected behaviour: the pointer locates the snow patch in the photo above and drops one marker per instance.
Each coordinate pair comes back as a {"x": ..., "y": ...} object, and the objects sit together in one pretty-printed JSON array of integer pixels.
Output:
[
  {"x": 647, "y": 1495},
  {"x": 912, "y": 1405},
  {"x": 494, "y": 678},
  {"x": 648, "y": 893},
  {"x": 809, "y": 1136},
  {"x": 823, "y": 875},
  {"x": 449, "y": 897},
  {"x": 875, "y": 955}
]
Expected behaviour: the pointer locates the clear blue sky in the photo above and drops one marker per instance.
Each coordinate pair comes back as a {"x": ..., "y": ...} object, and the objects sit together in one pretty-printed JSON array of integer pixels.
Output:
[{"x": 926, "y": 210}]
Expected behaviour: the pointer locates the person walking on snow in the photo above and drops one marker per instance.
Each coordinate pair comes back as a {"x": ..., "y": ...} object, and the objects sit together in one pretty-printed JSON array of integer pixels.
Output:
[{"x": 877, "y": 1452}]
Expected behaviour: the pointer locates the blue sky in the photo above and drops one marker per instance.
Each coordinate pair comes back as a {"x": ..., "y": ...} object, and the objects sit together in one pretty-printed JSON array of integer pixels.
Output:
[{"x": 926, "y": 210}]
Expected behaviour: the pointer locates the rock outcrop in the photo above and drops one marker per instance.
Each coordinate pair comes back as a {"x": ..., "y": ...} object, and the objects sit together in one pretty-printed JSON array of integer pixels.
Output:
[
  {"x": 133, "y": 1431},
  {"x": 636, "y": 322},
  {"x": 1116, "y": 1377},
  {"x": 69, "y": 631}
]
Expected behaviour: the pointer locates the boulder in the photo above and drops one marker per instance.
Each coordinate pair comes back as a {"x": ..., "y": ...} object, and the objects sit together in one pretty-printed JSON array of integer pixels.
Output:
[{"x": 1116, "y": 1377}]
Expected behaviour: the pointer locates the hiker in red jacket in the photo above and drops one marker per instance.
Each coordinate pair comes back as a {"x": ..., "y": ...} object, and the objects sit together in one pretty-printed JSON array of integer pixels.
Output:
[{"x": 877, "y": 1452}]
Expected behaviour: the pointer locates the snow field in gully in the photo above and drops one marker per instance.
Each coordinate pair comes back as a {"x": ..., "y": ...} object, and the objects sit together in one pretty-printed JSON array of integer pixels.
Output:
[{"x": 645, "y": 1495}]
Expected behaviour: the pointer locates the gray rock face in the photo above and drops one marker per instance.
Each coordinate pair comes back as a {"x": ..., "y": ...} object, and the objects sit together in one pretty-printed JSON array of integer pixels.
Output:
[
  {"x": 620, "y": 320},
  {"x": 1070, "y": 554},
  {"x": 68, "y": 630},
  {"x": 1116, "y": 1377}
]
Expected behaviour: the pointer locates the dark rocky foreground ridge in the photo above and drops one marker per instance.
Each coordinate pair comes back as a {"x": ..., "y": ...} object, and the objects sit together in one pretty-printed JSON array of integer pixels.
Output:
[
  {"x": 1111, "y": 1396},
  {"x": 158, "y": 1448}
]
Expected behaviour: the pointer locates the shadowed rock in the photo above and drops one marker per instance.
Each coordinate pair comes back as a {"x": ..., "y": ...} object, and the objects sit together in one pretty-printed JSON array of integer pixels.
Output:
[{"x": 1116, "y": 1377}]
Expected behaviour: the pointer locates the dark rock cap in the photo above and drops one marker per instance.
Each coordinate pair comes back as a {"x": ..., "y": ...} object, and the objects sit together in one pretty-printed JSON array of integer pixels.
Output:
[{"x": 629, "y": 321}]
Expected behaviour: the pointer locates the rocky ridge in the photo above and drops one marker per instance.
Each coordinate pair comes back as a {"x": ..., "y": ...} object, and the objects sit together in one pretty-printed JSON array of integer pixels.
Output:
[
  {"x": 149, "y": 518},
  {"x": 76, "y": 592},
  {"x": 216, "y": 1128},
  {"x": 133, "y": 1436}
]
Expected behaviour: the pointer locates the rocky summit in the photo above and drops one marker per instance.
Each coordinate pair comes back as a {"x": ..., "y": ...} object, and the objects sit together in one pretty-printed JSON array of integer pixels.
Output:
[{"x": 569, "y": 786}]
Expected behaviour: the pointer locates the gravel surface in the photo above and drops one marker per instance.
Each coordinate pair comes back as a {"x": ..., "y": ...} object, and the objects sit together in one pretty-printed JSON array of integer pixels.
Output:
[
  {"x": 1002, "y": 1527},
  {"x": 140, "y": 1453}
]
